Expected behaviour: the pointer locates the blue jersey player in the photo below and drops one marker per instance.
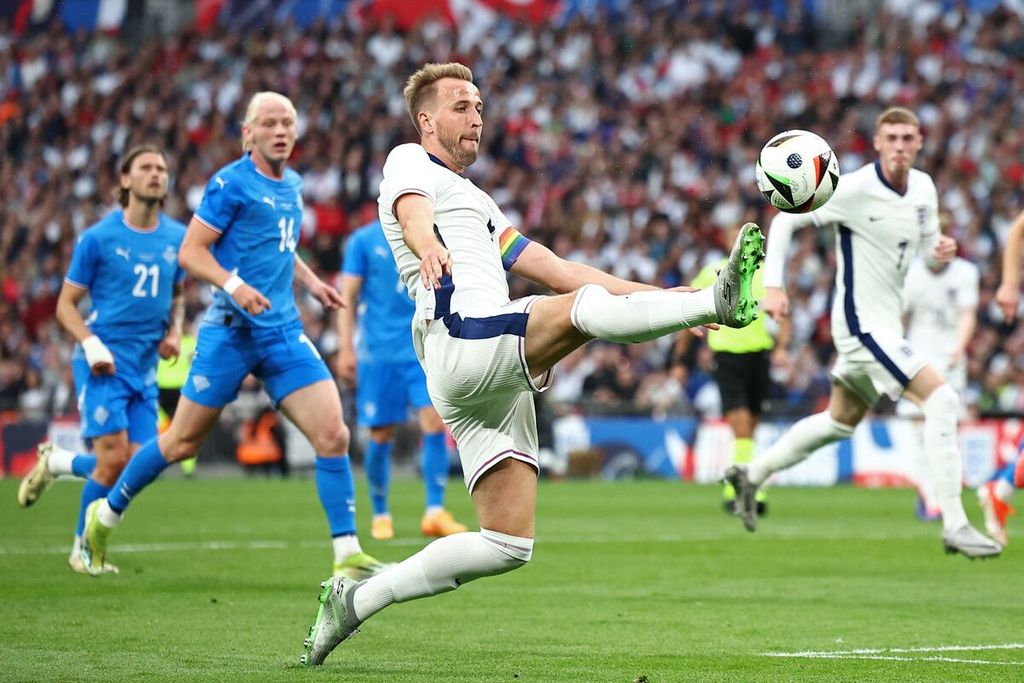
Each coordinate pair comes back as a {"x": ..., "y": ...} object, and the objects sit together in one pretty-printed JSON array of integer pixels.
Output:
[
  {"x": 128, "y": 264},
  {"x": 389, "y": 377},
  {"x": 242, "y": 238}
]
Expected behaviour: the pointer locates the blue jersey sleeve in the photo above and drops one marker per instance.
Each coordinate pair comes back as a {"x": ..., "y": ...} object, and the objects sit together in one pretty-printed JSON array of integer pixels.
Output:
[
  {"x": 84, "y": 262},
  {"x": 220, "y": 204},
  {"x": 355, "y": 256}
]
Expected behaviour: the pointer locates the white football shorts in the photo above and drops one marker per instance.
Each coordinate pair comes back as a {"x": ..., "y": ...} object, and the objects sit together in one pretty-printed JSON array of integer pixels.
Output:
[
  {"x": 480, "y": 384},
  {"x": 873, "y": 364}
]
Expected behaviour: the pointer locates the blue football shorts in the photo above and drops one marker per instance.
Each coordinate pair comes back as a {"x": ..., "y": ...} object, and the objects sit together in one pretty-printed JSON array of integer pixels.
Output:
[
  {"x": 384, "y": 392},
  {"x": 283, "y": 358},
  {"x": 112, "y": 403}
]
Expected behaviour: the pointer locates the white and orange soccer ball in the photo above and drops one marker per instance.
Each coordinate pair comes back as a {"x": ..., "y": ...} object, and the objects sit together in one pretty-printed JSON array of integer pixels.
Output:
[{"x": 797, "y": 171}]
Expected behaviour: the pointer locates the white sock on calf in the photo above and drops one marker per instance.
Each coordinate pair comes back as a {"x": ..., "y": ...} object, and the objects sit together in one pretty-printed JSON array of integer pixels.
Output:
[
  {"x": 641, "y": 316},
  {"x": 799, "y": 441},
  {"x": 443, "y": 566},
  {"x": 940, "y": 445}
]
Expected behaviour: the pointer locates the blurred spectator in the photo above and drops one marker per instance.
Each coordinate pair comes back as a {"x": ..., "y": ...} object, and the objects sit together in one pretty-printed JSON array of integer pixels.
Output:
[{"x": 623, "y": 134}]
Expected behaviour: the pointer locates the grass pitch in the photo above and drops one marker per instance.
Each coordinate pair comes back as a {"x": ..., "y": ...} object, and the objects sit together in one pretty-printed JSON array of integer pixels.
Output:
[{"x": 631, "y": 581}]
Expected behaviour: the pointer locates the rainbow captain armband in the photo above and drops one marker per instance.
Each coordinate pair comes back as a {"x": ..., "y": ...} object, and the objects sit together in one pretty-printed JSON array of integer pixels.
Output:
[{"x": 511, "y": 243}]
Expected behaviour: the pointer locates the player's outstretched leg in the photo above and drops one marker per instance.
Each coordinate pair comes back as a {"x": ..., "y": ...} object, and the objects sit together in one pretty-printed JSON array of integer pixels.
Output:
[
  {"x": 994, "y": 504},
  {"x": 735, "y": 302},
  {"x": 39, "y": 477},
  {"x": 335, "y": 620},
  {"x": 745, "y": 503}
]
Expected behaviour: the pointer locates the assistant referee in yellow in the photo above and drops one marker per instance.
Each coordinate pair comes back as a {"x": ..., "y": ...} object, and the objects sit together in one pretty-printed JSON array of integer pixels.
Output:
[{"x": 742, "y": 362}]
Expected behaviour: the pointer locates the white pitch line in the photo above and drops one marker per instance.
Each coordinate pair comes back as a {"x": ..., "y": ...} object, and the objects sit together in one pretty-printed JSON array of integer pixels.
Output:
[
  {"x": 886, "y": 650},
  {"x": 413, "y": 542},
  {"x": 897, "y": 658}
]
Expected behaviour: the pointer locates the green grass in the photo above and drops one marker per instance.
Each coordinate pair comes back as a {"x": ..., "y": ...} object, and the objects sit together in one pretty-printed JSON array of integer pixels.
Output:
[{"x": 635, "y": 581}]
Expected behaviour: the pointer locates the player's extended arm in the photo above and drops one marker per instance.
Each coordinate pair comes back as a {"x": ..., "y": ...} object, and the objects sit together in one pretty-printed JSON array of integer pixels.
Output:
[
  {"x": 415, "y": 213},
  {"x": 780, "y": 235},
  {"x": 1008, "y": 294},
  {"x": 351, "y": 288},
  {"x": 543, "y": 266},
  {"x": 327, "y": 296},
  {"x": 170, "y": 345},
  {"x": 100, "y": 360},
  {"x": 195, "y": 256}
]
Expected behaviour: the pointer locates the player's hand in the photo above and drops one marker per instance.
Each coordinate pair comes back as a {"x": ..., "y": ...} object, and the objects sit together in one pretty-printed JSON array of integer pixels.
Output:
[
  {"x": 345, "y": 366},
  {"x": 329, "y": 297},
  {"x": 945, "y": 249},
  {"x": 435, "y": 262},
  {"x": 1008, "y": 298},
  {"x": 98, "y": 356},
  {"x": 775, "y": 303},
  {"x": 250, "y": 300},
  {"x": 170, "y": 347}
]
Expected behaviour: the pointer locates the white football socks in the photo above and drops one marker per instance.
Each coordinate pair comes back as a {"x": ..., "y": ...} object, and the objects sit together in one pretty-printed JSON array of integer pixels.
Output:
[
  {"x": 345, "y": 547},
  {"x": 60, "y": 461},
  {"x": 940, "y": 444},
  {"x": 442, "y": 566},
  {"x": 640, "y": 316},
  {"x": 799, "y": 441}
]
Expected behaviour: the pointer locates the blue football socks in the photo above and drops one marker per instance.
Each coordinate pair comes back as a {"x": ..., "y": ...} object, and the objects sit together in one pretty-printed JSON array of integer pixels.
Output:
[
  {"x": 378, "y": 475},
  {"x": 337, "y": 492},
  {"x": 145, "y": 466},
  {"x": 435, "y": 468}
]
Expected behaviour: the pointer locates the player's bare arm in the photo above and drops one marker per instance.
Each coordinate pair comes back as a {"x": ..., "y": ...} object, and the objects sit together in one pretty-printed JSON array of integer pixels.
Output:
[
  {"x": 415, "y": 213},
  {"x": 541, "y": 265},
  {"x": 351, "y": 288},
  {"x": 1008, "y": 294},
  {"x": 195, "y": 256},
  {"x": 780, "y": 235},
  {"x": 170, "y": 345},
  {"x": 99, "y": 357},
  {"x": 328, "y": 296}
]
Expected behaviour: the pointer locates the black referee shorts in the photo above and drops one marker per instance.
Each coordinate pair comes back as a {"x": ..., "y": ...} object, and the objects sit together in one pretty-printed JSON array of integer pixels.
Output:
[{"x": 742, "y": 380}]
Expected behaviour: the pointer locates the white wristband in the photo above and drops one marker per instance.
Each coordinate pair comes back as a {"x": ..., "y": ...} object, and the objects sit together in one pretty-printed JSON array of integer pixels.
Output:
[
  {"x": 96, "y": 351},
  {"x": 232, "y": 284}
]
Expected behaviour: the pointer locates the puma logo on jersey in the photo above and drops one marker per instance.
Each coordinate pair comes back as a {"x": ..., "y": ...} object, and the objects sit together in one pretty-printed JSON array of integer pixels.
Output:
[
  {"x": 221, "y": 182},
  {"x": 270, "y": 200},
  {"x": 127, "y": 253}
]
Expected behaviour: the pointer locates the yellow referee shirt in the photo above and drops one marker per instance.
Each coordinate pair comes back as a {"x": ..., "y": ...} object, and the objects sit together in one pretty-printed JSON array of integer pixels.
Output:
[{"x": 754, "y": 337}]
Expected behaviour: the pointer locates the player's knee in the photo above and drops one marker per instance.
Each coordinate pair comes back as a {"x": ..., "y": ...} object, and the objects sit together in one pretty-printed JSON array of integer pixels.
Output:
[
  {"x": 513, "y": 552},
  {"x": 332, "y": 439},
  {"x": 942, "y": 404},
  {"x": 590, "y": 299}
]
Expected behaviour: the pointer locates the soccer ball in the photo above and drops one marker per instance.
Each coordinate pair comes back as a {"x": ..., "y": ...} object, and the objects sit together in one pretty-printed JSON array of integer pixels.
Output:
[{"x": 797, "y": 171}]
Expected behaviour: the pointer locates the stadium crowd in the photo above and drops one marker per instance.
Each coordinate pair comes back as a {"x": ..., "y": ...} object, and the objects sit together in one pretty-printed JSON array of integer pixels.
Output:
[{"x": 627, "y": 142}]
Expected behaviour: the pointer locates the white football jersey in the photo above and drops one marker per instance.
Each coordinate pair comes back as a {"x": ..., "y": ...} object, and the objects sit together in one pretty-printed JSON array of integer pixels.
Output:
[
  {"x": 469, "y": 224},
  {"x": 934, "y": 302},
  {"x": 877, "y": 233}
]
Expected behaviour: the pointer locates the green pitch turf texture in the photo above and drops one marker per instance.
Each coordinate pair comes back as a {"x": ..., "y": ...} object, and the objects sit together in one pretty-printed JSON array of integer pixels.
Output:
[{"x": 630, "y": 581}]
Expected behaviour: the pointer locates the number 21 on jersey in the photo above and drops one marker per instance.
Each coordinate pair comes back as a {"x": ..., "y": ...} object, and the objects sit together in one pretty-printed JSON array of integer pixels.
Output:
[{"x": 146, "y": 275}]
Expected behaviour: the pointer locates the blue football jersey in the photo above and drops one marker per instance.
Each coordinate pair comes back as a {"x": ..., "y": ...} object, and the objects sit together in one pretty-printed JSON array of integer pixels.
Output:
[
  {"x": 384, "y": 317},
  {"x": 258, "y": 219},
  {"x": 130, "y": 275}
]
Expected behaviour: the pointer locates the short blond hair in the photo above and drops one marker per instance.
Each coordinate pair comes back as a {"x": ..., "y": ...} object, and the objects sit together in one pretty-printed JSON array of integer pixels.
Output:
[
  {"x": 255, "y": 102},
  {"x": 421, "y": 86},
  {"x": 897, "y": 115}
]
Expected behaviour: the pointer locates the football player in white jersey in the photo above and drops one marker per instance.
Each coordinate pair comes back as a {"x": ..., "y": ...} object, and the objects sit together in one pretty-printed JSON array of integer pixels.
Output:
[
  {"x": 882, "y": 213},
  {"x": 484, "y": 355},
  {"x": 940, "y": 304}
]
